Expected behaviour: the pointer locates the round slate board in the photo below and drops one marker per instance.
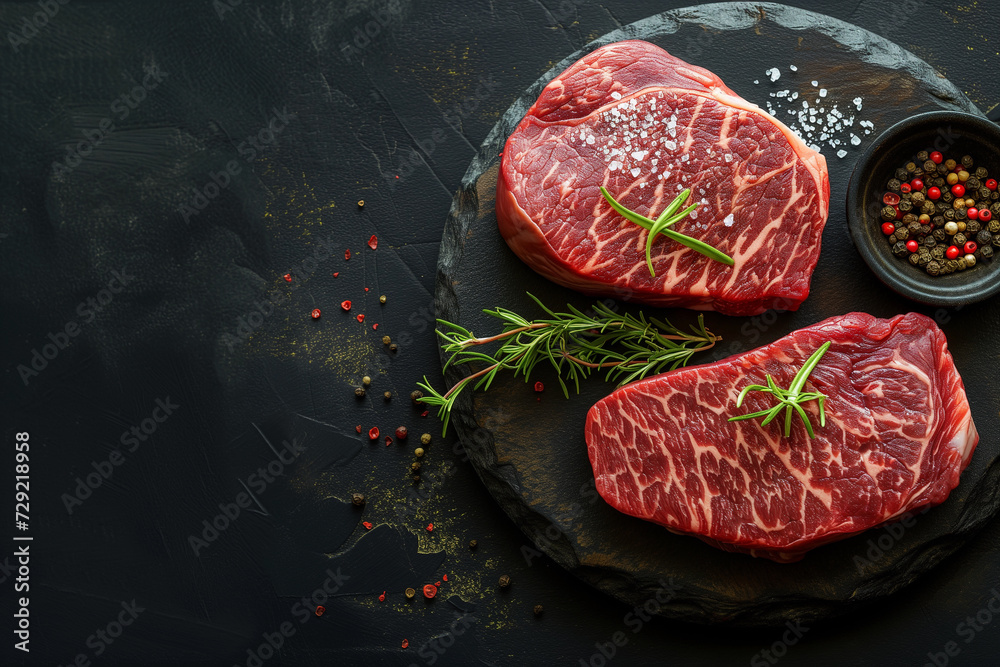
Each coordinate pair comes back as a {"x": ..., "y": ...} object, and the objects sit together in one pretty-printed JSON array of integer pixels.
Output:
[{"x": 529, "y": 448}]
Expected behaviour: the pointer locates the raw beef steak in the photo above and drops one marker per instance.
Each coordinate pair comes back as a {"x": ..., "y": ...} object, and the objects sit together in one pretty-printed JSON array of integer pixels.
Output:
[
  {"x": 898, "y": 434},
  {"x": 646, "y": 125}
]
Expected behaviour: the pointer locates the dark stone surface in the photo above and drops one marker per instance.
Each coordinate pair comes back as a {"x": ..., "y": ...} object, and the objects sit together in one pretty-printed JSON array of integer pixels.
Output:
[
  {"x": 364, "y": 113},
  {"x": 532, "y": 455}
]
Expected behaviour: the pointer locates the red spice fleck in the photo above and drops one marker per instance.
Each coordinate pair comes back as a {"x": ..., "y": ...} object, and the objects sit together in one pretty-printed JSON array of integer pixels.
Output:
[
  {"x": 539, "y": 387},
  {"x": 361, "y": 317},
  {"x": 336, "y": 274},
  {"x": 388, "y": 441},
  {"x": 438, "y": 584},
  {"x": 366, "y": 289},
  {"x": 319, "y": 610},
  {"x": 367, "y": 525},
  {"x": 430, "y": 527},
  {"x": 397, "y": 175},
  {"x": 346, "y": 305},
  {"x": 316, "y": 313},
  {"x": 430, "y": 590},
  {"x": 425, "y": 413},
  {"x": 347, "y": 254},
  {"x": 381, "y": 598},
  {"x": 373, "y": 433},
  {"x": 358, "y": 428},
  {"x": 288, "y": 277},
  {"x": 375, "y": 327},
  {"x": 373, "y": 242},
  {"x": 401, "y": 432},
  {"x": 445, "y": 577},
  {"x": 406, "y": 643}
]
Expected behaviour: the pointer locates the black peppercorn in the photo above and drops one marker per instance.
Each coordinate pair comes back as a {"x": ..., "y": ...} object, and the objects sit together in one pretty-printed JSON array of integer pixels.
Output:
[
  {"x": 984, "y": 237},
  {"x": 972, "y": 184},
  {"x": 959, "y": 239},
  {"x": 930, "y": 241},
  {"x": 909, "y": 219},
  {"x": 925, "y": 257},
  {"x": 983, "y": 192},
  {"x": 473, "y": 544},
  {"x": 986, "y": 252},
  {"x": 949, "y": 214},
  {"x": 892, "y": 239},
  {"x": 393, "y": 347},
  {"x": 948, "y": 197},
  {"x": 504, "y": 581},
  {"x": 914, "y": 228},
  {"x": 903, "y": 234},
  {"x": 888, "y": 213},
  {"x": 357, "y": 499},
  {"x": 933, "y": 268},
  {"x": 937, "y": 252},
  {"x": 940, "y": 206},
  {"x": 538, "y": 609},
  {"x": 939, "y": 234},
  {"x": 967, "y": 161},
  {"x": 905, "y": 205},
  {"x": 972, "y": 227},
  {"x": 893, "y": 184},
  {"x": 387, "y": 395},
  {"x": 928, "y": 208},
  {"x": 924, "y": 156},
  {"x": 918, "y": 198},
  {"x": 415, "y": 396},
  {"x": 943, "y": 169},
  {"x": 416, "y": 479},
  {"x": 911, "y": 167},
  {"x": 902, "y": 175},
  {"x": 914, "y": 259},
  {"x": 993, "y": 226},
  {"x": 359, "y": 392},
  {"x": 962, "y": 264},
  {"x": 899, "y": 249}
]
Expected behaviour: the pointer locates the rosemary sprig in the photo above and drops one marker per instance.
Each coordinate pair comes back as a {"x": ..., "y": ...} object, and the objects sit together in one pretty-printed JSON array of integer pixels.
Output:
[
  {"x": 661, "y": 225},
  {"x": 574, "y": 343},
  {"x": 791, "y": 398}
]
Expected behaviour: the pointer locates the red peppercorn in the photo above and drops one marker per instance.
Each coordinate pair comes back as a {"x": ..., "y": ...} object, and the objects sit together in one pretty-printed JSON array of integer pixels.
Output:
[
  {"x": 430, "y": 590},
  {"x": 970, "y": 247},
  {"x": 985, "y": 215},
  {"x": 401, "y": 432},
  {"x": 539, "y": 387},
  {"x": 430, "y": 527},
  {"x": 991, "y": 184},
  {"x": 937, "y": 157},
  {"x": 934, "y": 193},
  {"x": 336, "y": 274},
  {"x": 899, "y": 214},
  {"x": 888, "y": 228},
  {"x": 917, "y": 185},
  {"x": 952, "y": 252},
  {"x": 890, "y": 199},
  {"x": 316, "y": 313},
  {"x": 373, "y": 242},
  {"x": 904, "y": 188},
  {"x": 373, "y": 433},
  {"x": 973, "y": 213},
  {"x": 361, "y": 317},
  {"x": 288, "y": 277},
  {"x": 405, "y": 644},
  {"x": 367, "y": 525},
  {"x": 358, "y": 428},
  {"x": 381, "y": 598},
  {"x": 346, "y": 305},
  {"x": 912, "y": 245},
  {"x": 958, "y": 190},
  {"x": 320, "y": 609},
  {"x": 347, "y": 254}
]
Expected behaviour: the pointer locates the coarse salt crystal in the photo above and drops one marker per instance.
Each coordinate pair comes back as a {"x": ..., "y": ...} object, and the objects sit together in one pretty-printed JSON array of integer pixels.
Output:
[
  {"x": 841, "y": 153},
  {"x": 814, "y": 83},
  {"x": 728, "y": 220},
  {"x": 590, "y": 139},
  {"x": 793, "y": 68},
  {"x": 855, "y": 139},
  {"x": 822, "y": 92},
  {"x": 615, "y": 95},
  {"x": 635, "y": 171},
  {"x": 640, "y": 155},
  {"x": 615, "y": 165},
  {"x": 728, "y": 157},
  {"x": 773, "y": 73}
]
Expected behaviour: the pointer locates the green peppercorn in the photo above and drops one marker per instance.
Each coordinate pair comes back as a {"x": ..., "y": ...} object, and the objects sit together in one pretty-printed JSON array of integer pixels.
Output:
[
  {"x": 933, "y": 268},
  {"x": 959, "y": 239},
  {"x": 924, "y": 156},
  {"x": 940, "y": 206},
  {"x": 893, "y": 185},
  {"x": 387, "y": 395},
  {"x": 893, "y": 238},
  {"x": 996, "y": 240},
  {"x": 942, "y": 169},
  {"x": 905, "y": 205},
  {"x": 938, "y": 221},
  {"x": 983, "y": 193},
  {"x": 386, "y": 340},
  {"x": 918, "y": 198},
  {"x": 902, "y": 175},
  {"x": 947, "y": 197},
  {"x": 914, "y": 259},
  {"x": 939, "y": 234},
  {"x": 425, "y": 439},
  {"x": 910, "y": 167},
  {"x": 366, "y": 380},
  {"x": 937, "y": 182},
  {"x": 972, "y": 184},
  {"x": 962, "y": 263},
  {"x": 928, "y": 208},
  {"x": 993, "y": 226},
  {"x": 937, "y": 252},
  {"x": 961, "y": 213},
  {"x": 981, "y": 172},
  {"x": 949, "y": 214},
  {"x": 903, "y": 234},
  {"x": 888, "y": 213},
  {"x": 415, "y": 396},
  {"x": 914, "y": 228},
  {"x": 381, "y": 299},
  {"x": 409, "y": 593},
  {"x": 909, "y": 219}
]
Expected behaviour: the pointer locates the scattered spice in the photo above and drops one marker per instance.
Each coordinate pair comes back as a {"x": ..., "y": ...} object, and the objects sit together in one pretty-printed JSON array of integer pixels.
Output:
[
  {"x": 336, "y": 274},
  {"x": 416, "y": 479},
  {"x": 358, "y": 428},
  {"x": 373, "y": 242},
  {"x": 538, "y": 610},
  {"x": 409, "y": 593},
  {"x": 430, "y": 590},
  {"x": 425, "y": 413},
  {"x": 347, "y": 254},
  {"x": 504, "y": 581},
  {"x": 288, "y": 277},
  {"x": 359, "y": 392},
  {"x": 387, "y": 395},
  {"x": 381, "y": 299},
  {"x": 405, "y": 643},
  {"x": 373, "y": 433},
  {"x": 539, "y": 387},
  {"x": 316, "y": 313},
  {"x": 386, "y": 340},
  {"x": 473, "y": 544},
  {"x": 367, "y": 525},
  {"x": 320, "y": 609},
  {"x": 381, "y": 598},
  {"x": 430, "y": 526},
  {"x": 415, "y": 467},
  {"x": 401, "y": 432},
  {"x": 393, "y": 347},
  {"x": 357, "y": 499},
  {"x": 366, "y": 380},
  {"x": 361, "y": 317},
  {"x": 415, "y": 396},
  {"x": 388, "y": 441},
  {"x": 366, "y": 289},
  {"x": 418, "y": 452},
  {"x": 438, "y": 584},
  {"x": 425, "y": 439},
  {"x": 361, "y": 203},
  {"x": 444, "y": 577},
  {"x": 346, "y": 305}
]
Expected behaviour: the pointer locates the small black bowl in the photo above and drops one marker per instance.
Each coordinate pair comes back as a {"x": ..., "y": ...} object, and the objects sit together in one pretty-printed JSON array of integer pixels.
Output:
[{"x": 954, "y": 134}]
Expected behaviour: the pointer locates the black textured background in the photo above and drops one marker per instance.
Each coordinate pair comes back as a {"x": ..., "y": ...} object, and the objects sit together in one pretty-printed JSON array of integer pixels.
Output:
[{"x": 433, "y": 78}]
